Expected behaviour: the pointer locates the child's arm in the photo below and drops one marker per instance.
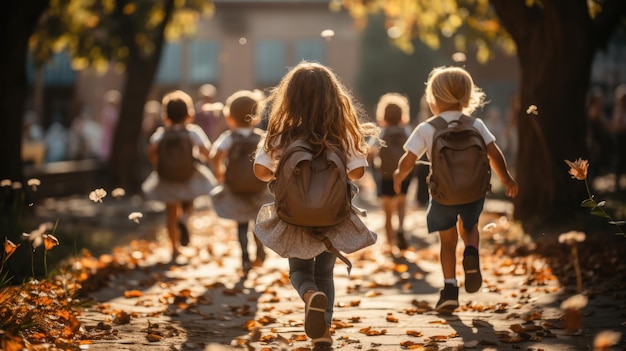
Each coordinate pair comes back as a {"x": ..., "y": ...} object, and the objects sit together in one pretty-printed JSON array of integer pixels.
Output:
[
  {"x": 263, "y": 173},
  {"x": 152, "y": 154},
  {"x": 218, "y": 165},
  {"x": 405, "y": 166},
  {"x": 498, "y": 164}
]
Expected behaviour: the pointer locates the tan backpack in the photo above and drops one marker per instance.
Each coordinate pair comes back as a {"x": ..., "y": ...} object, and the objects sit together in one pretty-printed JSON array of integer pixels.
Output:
[
  {"x": 239, "y": 175},
  {"x": 311, "y": 186},
  {"x": 459, "y": 172},
  {"x": 175, "y": 160}
]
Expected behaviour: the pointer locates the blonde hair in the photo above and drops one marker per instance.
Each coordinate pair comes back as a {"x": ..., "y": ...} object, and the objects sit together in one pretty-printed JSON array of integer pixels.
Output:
[
  {"x": 310, "y": 103},
  {"x": 242, "y": 108},
  {"x": 453, "y": 87},
  {"x": 392, "y": 110}
]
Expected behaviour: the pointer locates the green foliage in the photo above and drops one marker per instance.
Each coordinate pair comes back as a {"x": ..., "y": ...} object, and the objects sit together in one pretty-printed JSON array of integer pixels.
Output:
[
  {"x": 468, "y": 24},
  {"x": 92, "y": 30},
  {"x": 384, "y": 68}
]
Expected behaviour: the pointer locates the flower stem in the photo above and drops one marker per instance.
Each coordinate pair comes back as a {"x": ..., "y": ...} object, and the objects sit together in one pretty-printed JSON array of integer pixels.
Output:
[
  {"x": 579, "y": 279},
  {"x": 602, "y": 209}
]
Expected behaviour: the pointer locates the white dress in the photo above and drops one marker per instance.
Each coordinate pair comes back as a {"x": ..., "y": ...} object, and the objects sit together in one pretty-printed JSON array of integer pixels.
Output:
[
  {"x": 201, "y": 183},
  {"x": 291, "y": 241}
]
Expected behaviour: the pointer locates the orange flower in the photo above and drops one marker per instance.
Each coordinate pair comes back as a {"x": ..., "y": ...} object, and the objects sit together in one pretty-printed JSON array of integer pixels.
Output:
[
  {"x": 50, "y": 241},
  {"x": 9, "y": 248},
  {"x": 578, "y": 168}
]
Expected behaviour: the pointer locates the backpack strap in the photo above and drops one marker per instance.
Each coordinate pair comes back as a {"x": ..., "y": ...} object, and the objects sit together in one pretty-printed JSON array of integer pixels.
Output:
[
  {"x": 438, "y": 122},
  {"x": 467, "y": 120},
  {"x": 331, "y": 248}
]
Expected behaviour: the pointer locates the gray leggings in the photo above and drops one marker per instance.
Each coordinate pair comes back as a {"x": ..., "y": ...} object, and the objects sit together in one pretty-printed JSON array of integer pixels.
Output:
[{"x": 315, "y": 274}]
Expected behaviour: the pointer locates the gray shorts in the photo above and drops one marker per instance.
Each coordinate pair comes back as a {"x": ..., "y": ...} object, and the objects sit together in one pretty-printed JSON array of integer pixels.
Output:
[{"x": 441, "y": 217}]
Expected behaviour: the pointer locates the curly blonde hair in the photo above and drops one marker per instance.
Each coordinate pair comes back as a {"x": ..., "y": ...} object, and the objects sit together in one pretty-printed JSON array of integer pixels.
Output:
[
  {"x": 310, "y": 103},
  {"x": 453, "y": 87}
]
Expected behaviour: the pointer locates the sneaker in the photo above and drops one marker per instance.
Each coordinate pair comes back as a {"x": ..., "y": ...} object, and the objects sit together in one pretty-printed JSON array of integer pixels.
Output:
[
  {"x": 184, "y": 233},
  {"x": 315, "y": 315},
  {"x": 401, "y": 240},
  {"x": 448, "y": 299},
  {"x": 471, "y": 266}
]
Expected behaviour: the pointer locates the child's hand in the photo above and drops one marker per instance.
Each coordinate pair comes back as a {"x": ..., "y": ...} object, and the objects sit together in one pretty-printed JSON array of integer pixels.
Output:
[{"x": 511, "y": 187}]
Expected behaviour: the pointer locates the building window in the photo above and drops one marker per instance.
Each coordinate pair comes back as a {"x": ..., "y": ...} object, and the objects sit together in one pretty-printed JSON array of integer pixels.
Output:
[
  {"x": 170, "y": 65},
  {"x": 269, "y": 64},
  {"x": 203, "y": 67},
  {"x": 56, "y": 71},
  {"x": 310, "y": 50}
]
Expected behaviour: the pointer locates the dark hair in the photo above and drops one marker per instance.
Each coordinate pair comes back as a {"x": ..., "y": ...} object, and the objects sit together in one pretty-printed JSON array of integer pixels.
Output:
[
  {"x": 178, "y": 106},
  {"x": 242, "y": 108}
]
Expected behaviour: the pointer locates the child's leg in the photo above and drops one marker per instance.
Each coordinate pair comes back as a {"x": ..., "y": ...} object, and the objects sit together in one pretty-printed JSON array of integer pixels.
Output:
[
  {"x": 302, "y": 277},
  {"x": 471, "y": 258},
  {"x": 388, "y": 206},
  {"x": 448, "y": 240},
  {"x": 242, "y": 236},
  {"x": 260, "y": 249},
  {"x": 401, "y": 208},
  {"x": 469, "y": 237},
  {"x": 324, "y": 279},
  {"x": 186, "y": 209},
  {"x": 171, "y": 223}
]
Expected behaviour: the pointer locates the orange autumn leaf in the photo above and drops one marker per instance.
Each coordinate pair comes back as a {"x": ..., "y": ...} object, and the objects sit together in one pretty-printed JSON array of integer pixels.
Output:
[
  {"x": 391, "y": 319},
  {"x": 267, "y": 338},
  {"x": 153, "y": 337},
  {"x": 12, "y": 343},
  {"x": 414, "y": 333},
  {"x": 132, "y": 293}
]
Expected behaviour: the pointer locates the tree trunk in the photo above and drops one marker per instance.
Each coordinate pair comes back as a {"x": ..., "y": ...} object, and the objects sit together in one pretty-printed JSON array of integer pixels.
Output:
[
  {"x": 555, "y": 54},
  {"x": 140, "y": 71},
  {"x": 18, "y": 20}
]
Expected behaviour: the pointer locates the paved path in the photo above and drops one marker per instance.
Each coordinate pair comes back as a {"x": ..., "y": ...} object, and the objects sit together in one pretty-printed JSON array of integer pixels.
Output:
[{"x": 202, "y": 303}]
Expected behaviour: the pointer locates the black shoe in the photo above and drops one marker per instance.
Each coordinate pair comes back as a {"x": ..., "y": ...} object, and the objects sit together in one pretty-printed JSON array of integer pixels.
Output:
[
  {"x": 448, "y": 299},
  {"x": 401, "y": 240},
  {"x": 184, "y": 233},
  {"x": 471, "y": 266}
]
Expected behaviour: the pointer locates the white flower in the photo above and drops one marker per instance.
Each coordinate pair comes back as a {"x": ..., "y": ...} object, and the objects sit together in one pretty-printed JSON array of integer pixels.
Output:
[
  {"x": 33, "y": 183},
  {"x": 135, "y": 216},
  {"x": 97, "y": 195},
  {"x": 118, "y": 192},
  {"x": 572, "y": 237},
  {"x": 532, "y": 110},
  {"x": 576, "y": 302}
]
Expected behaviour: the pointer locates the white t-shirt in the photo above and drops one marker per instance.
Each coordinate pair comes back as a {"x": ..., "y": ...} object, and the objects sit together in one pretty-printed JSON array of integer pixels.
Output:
[
  {"x": 354, "y": 160},
  {"x": 225, "y": 141},
  {"x": 196, "y": 133},
  {"x": 421, "y": 139}
]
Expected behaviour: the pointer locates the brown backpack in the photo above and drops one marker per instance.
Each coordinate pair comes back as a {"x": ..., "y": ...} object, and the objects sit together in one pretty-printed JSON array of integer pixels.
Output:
[
  {"x": 389, "y": 155},
  {"x": 311, "y": 187},
  {"x": 175, "y": 161},
  {"x": 460, "y": 172},
  {"x": 239, "y": 175}
]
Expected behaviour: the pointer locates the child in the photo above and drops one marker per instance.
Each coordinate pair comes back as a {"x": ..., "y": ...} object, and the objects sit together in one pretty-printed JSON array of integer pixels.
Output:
[
  {"x": 178, "y": 195},
  {"x": 392, "y": 114},
  {"x": 450, "y": 92},
  {"x": 232, "y": 200},
  {"x": 311, "y": 104}
]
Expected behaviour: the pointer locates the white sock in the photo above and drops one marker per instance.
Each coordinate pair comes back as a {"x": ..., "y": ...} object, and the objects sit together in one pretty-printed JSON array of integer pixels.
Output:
[{"x": 450, "y": 281}]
